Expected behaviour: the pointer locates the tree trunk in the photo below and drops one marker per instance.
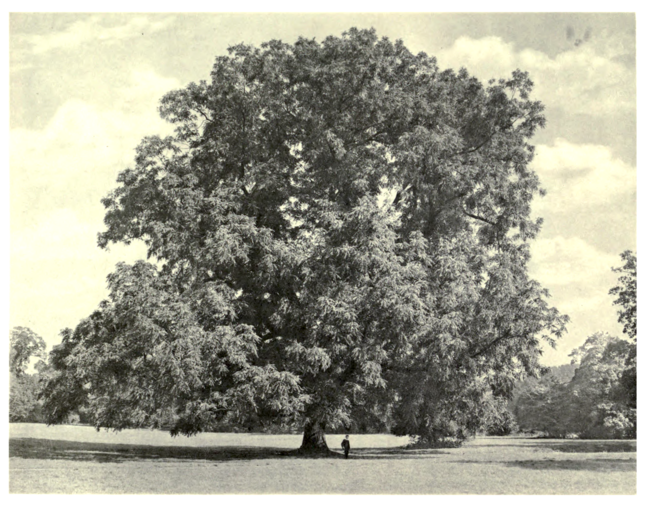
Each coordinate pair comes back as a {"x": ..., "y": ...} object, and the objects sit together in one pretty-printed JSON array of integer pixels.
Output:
[{"x": 313, "y": 440}]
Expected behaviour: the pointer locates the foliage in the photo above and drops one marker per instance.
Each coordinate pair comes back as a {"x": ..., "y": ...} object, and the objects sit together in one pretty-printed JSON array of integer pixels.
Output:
[
  {"x": 625, "y": 292},
  {"x": 590, "y": 404},
  {"x": 339, "y": 234},
  {"x": 24, "y": 345},
  {"x": 500, "y": 420},
  {"x": 559, "y": 373},
  {"x": 23, "y": 398},
  {"x": 24, "y": 388},
  {"x": 530, "y": 396}
]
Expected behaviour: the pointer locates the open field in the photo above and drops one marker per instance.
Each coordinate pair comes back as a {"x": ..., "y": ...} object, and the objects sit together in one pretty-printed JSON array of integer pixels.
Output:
[{"x": 71, "y": 459}]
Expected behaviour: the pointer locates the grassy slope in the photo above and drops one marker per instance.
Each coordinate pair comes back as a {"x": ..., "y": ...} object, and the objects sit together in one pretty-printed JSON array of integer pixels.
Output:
[{"x": 77, "y": 459}]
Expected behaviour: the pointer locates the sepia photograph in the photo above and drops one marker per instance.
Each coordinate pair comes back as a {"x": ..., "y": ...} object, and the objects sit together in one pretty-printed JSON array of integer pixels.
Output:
[{"x": 322, "y": 253}]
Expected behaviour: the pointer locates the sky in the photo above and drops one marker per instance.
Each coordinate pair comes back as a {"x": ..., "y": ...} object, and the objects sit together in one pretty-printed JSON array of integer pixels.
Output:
[{"x": 84, "y": 90}]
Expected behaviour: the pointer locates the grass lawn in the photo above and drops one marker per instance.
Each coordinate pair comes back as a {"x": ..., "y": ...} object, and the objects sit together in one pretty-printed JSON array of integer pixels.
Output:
[{"x": 72, "y": 459}]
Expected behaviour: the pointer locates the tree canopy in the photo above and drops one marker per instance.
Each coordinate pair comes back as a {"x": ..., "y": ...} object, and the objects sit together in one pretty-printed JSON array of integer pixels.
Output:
[{"x": 337, "y": 232}]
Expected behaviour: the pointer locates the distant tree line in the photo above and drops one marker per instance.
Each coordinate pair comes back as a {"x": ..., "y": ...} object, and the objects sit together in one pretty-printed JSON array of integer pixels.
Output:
[
  {"x": 594, "y": 403},
  {"x": 595, "y": 396}
]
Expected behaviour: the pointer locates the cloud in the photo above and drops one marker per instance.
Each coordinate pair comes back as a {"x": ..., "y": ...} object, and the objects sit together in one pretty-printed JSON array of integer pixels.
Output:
[
  {"x": 560, "y": 261},
  {"x": 58, "y": 176},
  {"x": 585, "y": 183},
  {"x": 77, "y": 156},
  {"x": 63, "y": 235},
  {"x": 94, "y": 29},
  {"x": 48, "y": 295},
  {"x": 144, "y": 85},
  {"x": 590, "y": 78},
  {"x": 579, "y": 277},
  {"x": 581, "y": 175}
]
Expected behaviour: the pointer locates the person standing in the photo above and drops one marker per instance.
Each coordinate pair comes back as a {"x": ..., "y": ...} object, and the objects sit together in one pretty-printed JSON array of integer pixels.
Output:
[{"x": 345, "y": 444}]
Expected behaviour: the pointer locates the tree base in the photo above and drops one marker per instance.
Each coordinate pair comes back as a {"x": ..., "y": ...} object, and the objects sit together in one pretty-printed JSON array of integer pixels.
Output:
[{"x": 313, "y": 440}]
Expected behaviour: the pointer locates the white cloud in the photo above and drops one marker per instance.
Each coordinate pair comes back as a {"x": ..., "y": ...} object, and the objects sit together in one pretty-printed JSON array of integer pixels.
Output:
[
  {"x": 582, "y": 176},
  {"x": 587, "y": 79},
  {"x": 146, "y": 85},
  {"x": 561, "y": 261},
  {"x": 580, "y": 179},
  {"x": 94, "y": 29},
  {"x": 74, "y": 160}
]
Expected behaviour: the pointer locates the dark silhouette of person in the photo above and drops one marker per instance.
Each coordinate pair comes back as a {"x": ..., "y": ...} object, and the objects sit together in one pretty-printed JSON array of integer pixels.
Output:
[{"x": 345, "y": 444}]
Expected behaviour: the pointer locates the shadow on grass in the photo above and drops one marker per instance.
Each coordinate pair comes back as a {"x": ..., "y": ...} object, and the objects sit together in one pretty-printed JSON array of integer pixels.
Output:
[
  {"x": 570, "y": 445},
  {"x": 394, "y": 453},
  {"x": 589, "y": 446},
  {"x": 597, "y": 465},
  {"x": 31, "y": 448},
  {"x": 584, "y": 464}
]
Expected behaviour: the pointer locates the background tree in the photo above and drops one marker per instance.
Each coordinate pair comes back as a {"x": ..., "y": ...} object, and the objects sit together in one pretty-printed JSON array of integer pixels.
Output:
[
  {"x": 533, "y": 396},
  {"x": 25, "y": 346},
  {"x": 339, "y": 230},
  {"x": 542, "y": 408},
  {"x": 500, "y": 421},
  {"x": 590, "y": 404},
  {"x": 596, "y": 407},
  {"x": 625, "y": 293}
]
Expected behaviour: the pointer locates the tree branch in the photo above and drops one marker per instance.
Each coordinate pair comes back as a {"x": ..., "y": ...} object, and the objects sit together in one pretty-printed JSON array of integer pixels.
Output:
[
  {"x": 477, "y": 217},
  {"x": 398, "y": 196},
  {"x": 490, "y": 344},
  {"x": 485, "y": 348},
  {"x": 200, "y": 112}
]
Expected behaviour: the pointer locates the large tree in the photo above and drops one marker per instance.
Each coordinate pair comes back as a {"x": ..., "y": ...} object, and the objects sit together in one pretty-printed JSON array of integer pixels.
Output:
[{"x": 337, "y": 232}]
